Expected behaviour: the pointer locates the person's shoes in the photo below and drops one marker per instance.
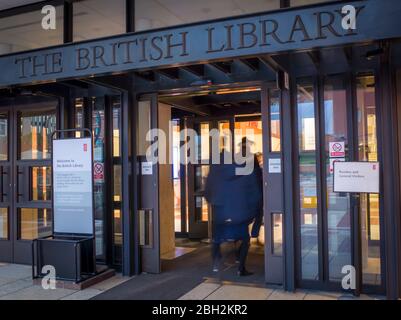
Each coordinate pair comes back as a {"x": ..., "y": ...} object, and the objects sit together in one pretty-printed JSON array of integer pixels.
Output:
[
  {"x": 244, "y": 273},
  {"x": 216, "y": 265}
]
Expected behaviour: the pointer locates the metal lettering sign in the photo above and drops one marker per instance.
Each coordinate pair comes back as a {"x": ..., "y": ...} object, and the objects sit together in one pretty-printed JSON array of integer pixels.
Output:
[
  {"x": 258, "y": 34},
  {"x": 72, "y": 186}
]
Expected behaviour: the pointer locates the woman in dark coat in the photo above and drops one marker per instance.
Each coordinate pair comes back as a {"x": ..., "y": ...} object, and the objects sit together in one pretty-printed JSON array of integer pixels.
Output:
[{"x": 236, "y": 202}]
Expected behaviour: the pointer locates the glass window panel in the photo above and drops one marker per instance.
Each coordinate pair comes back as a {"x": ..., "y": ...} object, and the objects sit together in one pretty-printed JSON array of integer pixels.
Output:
[
  {"x": 275, "y": 121},
  {"x": 202, "y": 141},
  {"x": 36, "y": 129},
  {"x": 201, "y": 209},
  {"x": 152, "y": 14},
  {"x": 277, "y": 225},
  {"x": 3, "y": 223},
  {"x": 98, "y": 127},
  {"x": 143, "y": 127},
  {"x": 98, "y": 18},
  {"x": 201, "y": 174},
  {"x": 338, "y": 204},
  {"x": 118, "y": 235},
  {"x": 34, "y": 223},
  {"x": 176, "y": 175},
  {"x": 308, "y": 183},
  {"x": 295, "y": 3},
  {"x": 252, "y": 130},
  {"x": 117, "y": 183},
  {"x": 79, "y": 116},
  {"x": 369, "y": 203},
  {"x": 3, "y": 137},
  {"x": 41, "y": 184},
  {"x": 225, "y": 136},
  {"x": 25, "y": 32},
  {"x": 116, "y": 127}
]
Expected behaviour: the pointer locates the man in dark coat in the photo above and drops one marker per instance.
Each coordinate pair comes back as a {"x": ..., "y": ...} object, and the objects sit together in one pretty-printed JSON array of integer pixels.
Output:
[{"x": 236, "y": 202}]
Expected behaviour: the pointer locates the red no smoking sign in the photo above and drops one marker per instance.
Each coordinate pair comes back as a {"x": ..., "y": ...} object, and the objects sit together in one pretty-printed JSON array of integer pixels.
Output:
[
  {"x": 98, "y": 171},
  {"x": 337, "y": 149}
]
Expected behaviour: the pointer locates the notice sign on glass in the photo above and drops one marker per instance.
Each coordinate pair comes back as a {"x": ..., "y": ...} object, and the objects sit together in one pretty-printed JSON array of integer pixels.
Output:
[
  {"x": 357, "y": 177},
  {"x": 72, "y": 186}
]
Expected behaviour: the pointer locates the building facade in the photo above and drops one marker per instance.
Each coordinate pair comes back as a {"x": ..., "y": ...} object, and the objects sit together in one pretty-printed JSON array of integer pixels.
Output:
[{"x": 299, "y": 71}]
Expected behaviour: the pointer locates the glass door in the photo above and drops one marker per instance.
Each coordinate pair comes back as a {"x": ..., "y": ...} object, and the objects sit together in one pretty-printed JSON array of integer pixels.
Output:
[
  {"x": 199, "y": 212},
  {"x": 6, "y": 245},
  {"x": 26, "y": 174},
  {"x": 336, "y": 122}
]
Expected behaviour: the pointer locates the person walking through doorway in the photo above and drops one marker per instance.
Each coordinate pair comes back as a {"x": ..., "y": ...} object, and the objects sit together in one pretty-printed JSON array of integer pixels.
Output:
[{"x": 236, "y": 202}]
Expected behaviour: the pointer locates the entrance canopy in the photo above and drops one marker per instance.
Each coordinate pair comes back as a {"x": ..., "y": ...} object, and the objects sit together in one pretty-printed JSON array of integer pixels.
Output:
[{"x": 248, "y": 36}]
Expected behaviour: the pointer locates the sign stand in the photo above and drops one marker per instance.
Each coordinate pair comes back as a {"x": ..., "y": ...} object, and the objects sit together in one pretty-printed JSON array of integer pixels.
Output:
[{"x": 71, "y": 249}]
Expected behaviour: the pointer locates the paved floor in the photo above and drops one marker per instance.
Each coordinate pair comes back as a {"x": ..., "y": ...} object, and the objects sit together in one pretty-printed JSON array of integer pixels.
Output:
[
  {"x": 228, "y": 291},
  {"x": 16, "y": 284}
]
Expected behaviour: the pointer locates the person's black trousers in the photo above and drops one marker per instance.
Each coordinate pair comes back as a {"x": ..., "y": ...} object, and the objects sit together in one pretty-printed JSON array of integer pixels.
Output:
[{"x": 241, "y": 253}]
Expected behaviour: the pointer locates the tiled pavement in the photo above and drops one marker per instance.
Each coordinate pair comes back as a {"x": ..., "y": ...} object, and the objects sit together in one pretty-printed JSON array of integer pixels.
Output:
[
  {"x": 16, "y": 284},
  {"x": 226, "y": 291}
]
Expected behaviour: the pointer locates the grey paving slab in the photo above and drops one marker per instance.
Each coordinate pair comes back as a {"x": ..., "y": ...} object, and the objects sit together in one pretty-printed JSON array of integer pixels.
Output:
[
  {"x": 284, "y": 295},
  {"x": 235, "y": 292},
  {"x": 38, "y": 293},
  {"x": 83, "y": 295},
  {"x": 201, "y": 292},
  {"x": 15, "y": 286},
  {"x": 110, "y": 283}
]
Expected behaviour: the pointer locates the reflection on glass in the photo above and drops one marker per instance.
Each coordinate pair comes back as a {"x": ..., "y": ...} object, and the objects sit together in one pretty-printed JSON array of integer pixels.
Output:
[
  {"x": 98, "y": 18},
  {"x": 201, "y": 174},
  {"x": 152, "y": 14},
  {"x": 3, "y": 137},
  {"x": 117, "y": 183},
  {"x": 116, "y": 129},
  {"x": 308, "y": 183},
  {"x": 41, "y": 183},
  {"x": 252, "y": 130},
  {"x": 98, "y": 128},
  {"x": 201, "y": 209},
  {"x": 3, "y": 223},
  {"x": 202, "y": 141},
  {"x": 225, "y": 136},
  {"x": 277, "y": 225},
  {"x": 369, "y": 203},
  {"x": 118, "y": 234},
  {"x": 275, "y": 124},
  {"x": 79, "y": 116},
  {"x": 176, "y": 175},
  {"x": 36, "y": 129},
  {"x": 143, "y": 127},
  {"x": 295, "y": 3},
  {"x": 24, "y": 31},
  {"x": 338, "y": 204},
  {"x": 117, "y": 175},
  {"x": 34, "y": 223}
]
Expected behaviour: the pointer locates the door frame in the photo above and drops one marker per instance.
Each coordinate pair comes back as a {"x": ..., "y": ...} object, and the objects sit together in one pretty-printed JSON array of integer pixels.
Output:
[
  {"x": 202, "y": 229},
  {"x": 22, "y": 249},
  {"x": 152, "y": 254},
  {"x": 355, "y": 222}
]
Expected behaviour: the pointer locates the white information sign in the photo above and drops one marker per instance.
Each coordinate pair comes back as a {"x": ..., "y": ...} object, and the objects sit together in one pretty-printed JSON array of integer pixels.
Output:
[
  {"x": 147, "y": 168},
  {"x": 72, "y": 186},
  {"x": 358, "y": 177},
  {"x": 274, "y": 165}
]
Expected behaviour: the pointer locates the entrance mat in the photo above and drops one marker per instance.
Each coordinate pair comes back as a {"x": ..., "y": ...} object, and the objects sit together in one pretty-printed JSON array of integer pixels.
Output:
[{"x": 181, "y": 275}]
